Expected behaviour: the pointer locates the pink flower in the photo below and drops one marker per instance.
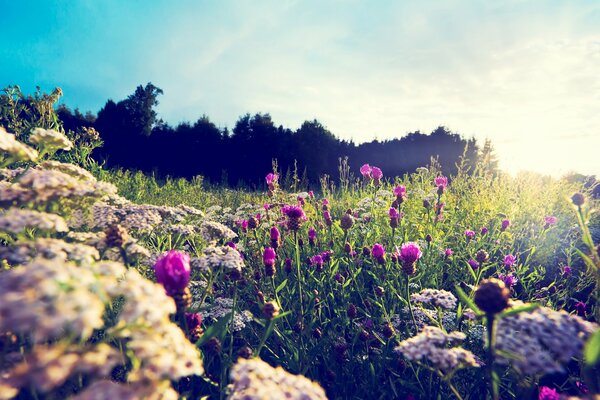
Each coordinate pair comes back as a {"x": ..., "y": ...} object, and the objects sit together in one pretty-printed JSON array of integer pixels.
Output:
[
  {"x": 275, "y": 235},
  {"x": 266, "y": 206},
  {"x": 377, "y": 173},
  {"x": 484, "y": 231},
  {"x": 293, "y": 212},
  {"x": 505, "y": 224},
  {"x": 400, "y": 191},
  {"x": 394, "y": 213},
  {"x": 567, "y": 270},
  {"x": 271, "y": 178},
  {"x": 441, "y": 182},
  {"x": 366, "y": 170},
  {"x": 311, "y": 194},
  {"x": 173, "y": 270},
  {"x": 448, "y": 253},
  {"x": 509, "y": 260},
  {"x": 378, "y": 251},
  {"x": 269, "y": 256},
  {"x": 509, "y": 280},
  {"x": 580, "y": 307},
  {"x": 548, "y": 394},
  {"x": 193, "y": 320},
  {"x": 410, "y": 252},
  {"x": 549, "y": 221},
  {"x": 469, "y": 234}
]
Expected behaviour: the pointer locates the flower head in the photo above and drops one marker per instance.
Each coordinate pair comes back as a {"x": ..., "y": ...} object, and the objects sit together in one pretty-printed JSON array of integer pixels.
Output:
[
  {"x": 275, "y": 235},
  {"x": 271, "y": 178},
  {"x": 548, "y": 394},
  {"x": 505, "y": 224},
  {"x": 567, "y": 270},
  {"x": 509, "y": 260},
  {"x": 312, "y": 234},
  {"x": 469, "y": 234},
  {"x": 448, "y": 253},
  {"x": 366, "y": 170},
  {"x": 484, "y": 231},
  {"x": 509, "y": 280},
  {"x": 377, "y": 173},
  {"x": 378, "y": 251},
  {"x": 173, "y": 271},
  {"x": 474, "y": 264},
  {"x": 410, "y": 252},
  {"x": 269, "y": 256},
  {"x": 400, "y": 191},
  {"x": 441, "y": 182},
  {"x": 550, "y": 220}
]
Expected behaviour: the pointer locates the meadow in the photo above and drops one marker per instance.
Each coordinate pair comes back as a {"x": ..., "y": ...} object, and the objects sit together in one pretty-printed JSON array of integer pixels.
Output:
[{"x": 117, "y": 285}]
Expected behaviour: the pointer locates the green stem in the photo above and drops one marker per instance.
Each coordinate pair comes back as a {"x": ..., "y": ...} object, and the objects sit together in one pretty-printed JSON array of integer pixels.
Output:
[
  {"x": 231, "y": 331},
  {"x": 491, "y": 334},
  {"x": 264, "y": 338},
  {"x": 412, "y": 315},
  {"x": 299, "y": 276}
]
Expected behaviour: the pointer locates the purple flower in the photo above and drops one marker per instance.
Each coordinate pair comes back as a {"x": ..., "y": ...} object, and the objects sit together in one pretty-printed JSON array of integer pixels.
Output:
[
  {"x": 327, "y": 255},
  {"x": 484, "y": 231},
  {"x": 505, "y": 225},
  {"x": 548, "y": 394},
  {"x": 567, "y": 270},
  {"x": 394, "y": 214},
  {"x": 400, "y": 191},
  {"x": 275, "y": 235},
  {"x": 410, "y": 252},
  {"x": 509, "y": 280},
  {"x": 441, "y": 182},
  {"x": 509, "y": 260},
  {"x": 271, "y": 178},
  {"x": 474, "y": 264},
  {"x": 295, "y": 212},
  {"x": 582, "y": 387},
  {"x": 448, "y": 253},
  {"x": 378, "y": 251},
  {"x": 269, "y": 256},
  {"x": 311, "y": 194},
  {"x": 172, "y": 270},
  {"x": 366, "y": 170},
  {"x": 231, "y": 244},
  {"x": 580, "y": 307},
  {"x": 549, "y": 220},
  {"x": 317, "y": 260},
  {"x": 300, "y": 200},
  {"x": 469, "y": 234},
  {"x": 193, "y": 320},
  {"x": 266, "y": 206},
  {"x": 312, "y": 236},
  {"x": 377, "y": 173}
]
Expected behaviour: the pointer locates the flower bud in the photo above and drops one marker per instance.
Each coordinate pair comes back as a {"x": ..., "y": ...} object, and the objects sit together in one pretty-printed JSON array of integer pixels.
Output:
[{"x": 492, "y": 296}]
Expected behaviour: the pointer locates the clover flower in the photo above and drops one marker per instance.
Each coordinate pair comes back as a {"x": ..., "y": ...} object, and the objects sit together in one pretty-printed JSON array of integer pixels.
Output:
[
  {"x": 549, "y": 220},
  {"x": 509, "y": 280},
  {"x": 441, "y": 182},
  {"x": 509, "y": 260},
  {"x": 505, "y": 224},
  {"x": 173, "y": 271},
  {"x": 269, "y": 257},
  {"x": 254, "y": 379},
  {"x": 366, "y": 171},
  {"x": 547, "y": 393},
  {"x": 410, "y": 253},
  {"x": 377, "y": 174},
  {"x": 400, "y": 193},
  {"x": 431, "y": 345},
  {"x": 474, "y": 264},
  {"x": 378, "y": 253},
  {"x": 295, "y": 215},
  {"x": 469, "y": 234}
]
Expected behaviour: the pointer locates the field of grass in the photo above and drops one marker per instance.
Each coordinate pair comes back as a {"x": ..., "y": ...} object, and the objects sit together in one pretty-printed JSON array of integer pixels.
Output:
[{"x": 117, "y": 285}]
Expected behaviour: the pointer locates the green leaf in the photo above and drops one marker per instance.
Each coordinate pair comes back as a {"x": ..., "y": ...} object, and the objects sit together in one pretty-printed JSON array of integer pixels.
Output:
[
  {"x": 281, "y": 286},
  {"x": 215, "y": 329},
  {"x": 472, "y": 271},
  {"x": 517, "y": 310},
  {"x": 591, "y": 351},
  {"x": 467, "y": 300},
  {"x": 588, "y": 261}
]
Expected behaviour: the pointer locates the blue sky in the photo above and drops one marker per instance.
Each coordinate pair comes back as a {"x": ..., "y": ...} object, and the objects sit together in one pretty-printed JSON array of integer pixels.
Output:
[{"x": 525, "y": 74}]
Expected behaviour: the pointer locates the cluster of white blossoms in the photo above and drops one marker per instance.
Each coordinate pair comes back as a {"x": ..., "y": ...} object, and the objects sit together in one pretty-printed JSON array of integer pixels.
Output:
[
  {"x": 541, "y": 341},
  {"x": 254, "y": 379},
  {"x": 435, "y": 297},
  {"x": 216, "y": 257},
  {"x": 69, "y": 169},
  {"x": 15, "y": 150},
  {"x": 431, "y": 345},
  {"x": 221, "y": 307},
  {"x": 23, "y": 252},
  {"x": 213, "y": 232},
  {"x": 50, "y": 139},
  {"x": 16, "y": 220},
  {"x": 59, "y": 301}
]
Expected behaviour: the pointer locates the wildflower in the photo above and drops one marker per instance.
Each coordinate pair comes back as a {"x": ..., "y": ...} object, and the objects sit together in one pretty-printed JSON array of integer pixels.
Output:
[
  {"x": 469, "y": 234},
  {"x": 327, "y": 218},
  {"x": 317, "y": 261},
  {"x": 16, "y": 150},
  {"x": 435, "y": 297},
  {"x": 481, "y": 256},
  {"x": 509, "y": 260},
  {"x": 509, "y": 280},
  {"x": 448, "y": 253},
  {"x": 578, "y": 199},
  {"x": 474, "y": 264},
  {"x": 300, "y": 200},
  {"x": 16, "y": 220},
  {"x": 548, "y": 394},
  {"x": 193, "y": 322},
  {"x": 441, "y": 182},
  {"x": 311, "y": 194},
  {"x": 567, "y": 270},
  {"x": 394, "y": 217},
  {"x": 366, "y": 171},
  {"x": 50, "y": 140},
  {"x": 271, "y": 180},
  {"x": 378, "y": 253},
  {"x": 400, "y": 193},
  {"x": 275, "y": 237},
  {"x": 173, "y": 271},
  {"x": 327, "y": 255},
  {"x": 352, "y": 312},
  {"x": 253, "y": 223},
  {"x": 295, "y": 215},
  {"x": 377, "y": 174},
  {"x": 580, "y": 307},
  {"x": 214, "y": 231},
  {"x": 492, "y": 296},
  {"x": 505, "y": 225},
  {"x": 484, "y": 231},
  {"x": 410, "y": 253},
  {"x": 325, "y": 204},
  {"x": 254, "y": 379},
  {"x": 431, "y": 344},
  {"x": 287, "y": 265},
  {"x": 269, "y": 257},
  {"x": 426, "y": 204},
  {"x": 549, "y": 220},
  {"x": 346, "y": 221},
  {"x": 582, "y": 387},
  {"x": 225, "y": 257}
]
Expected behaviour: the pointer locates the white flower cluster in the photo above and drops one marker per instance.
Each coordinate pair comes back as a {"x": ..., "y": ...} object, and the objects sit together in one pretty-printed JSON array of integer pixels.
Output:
[
  {"x": 132, "y": 217},
  {"x": 542, "y": 341},
  {"x": 50, "y": 139},
  {"x": 214, "y": 231},
  {"x": 110, "y": 390},
  {"x": 24, "y": 251},
  {"x": 15, "y": 150},
  {"x": 436, "y": 298},
  {"x": 16, "y": 220},
  {"x": 69, "y": 169},
  {"x": 254, "y": 379},
  {"x": 424, "y": 317},
  {"x": 431, "y": 344},
  {"x": 220, "y": 308},
  {"x": 216, "y": 257}
]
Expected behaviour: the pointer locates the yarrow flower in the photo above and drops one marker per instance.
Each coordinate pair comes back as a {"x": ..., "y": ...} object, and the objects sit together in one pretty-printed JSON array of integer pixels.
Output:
[
  {"x": 50, "y": 140},
  {"x": 435, "y": 297},
  {"x": 410, "y": 253},
  {"x": 509, "y": 260}
]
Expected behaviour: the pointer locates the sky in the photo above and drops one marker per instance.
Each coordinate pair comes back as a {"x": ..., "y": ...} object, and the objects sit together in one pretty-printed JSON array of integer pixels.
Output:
[{"x": 525, "y": 74}]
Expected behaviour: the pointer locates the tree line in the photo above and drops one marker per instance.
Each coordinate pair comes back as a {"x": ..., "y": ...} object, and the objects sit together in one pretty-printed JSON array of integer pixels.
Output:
[{"x": 136, "y": 138}]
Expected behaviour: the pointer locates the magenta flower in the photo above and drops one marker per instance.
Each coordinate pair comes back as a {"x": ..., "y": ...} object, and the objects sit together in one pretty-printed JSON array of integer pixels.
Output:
[
  {"x": 327, "y": 255},
  {"x": 567, "y": 270},
  {"x": 269, "y": 256},
  {"x": 509, "y": 280},
  {"x": 474, "y": 264},
  {"x": 505, "y": 225},
  {"x": 300, "y": 200},
  {"x": 448, "y": 253},
  {"x": 311, "y": 194},
  {"x": 366, "y": 171},
  {"x": 549, "y": 221},
  {"x": 441, "y": 182},
  {"x": 295, "y": 215},
  {"x": 509, "y": 260},
  {"x": 393, "y": 213},
  {"x": 327, "y": 218},
  {"x": 266, "y": 206},
  {"x": 231, "y": 244},
  {"x": 377, "y": 173},
  {"x": 580, "y": 307},
  {"x": 378, "y": 252},
  {"x": 312, "y": 234},
  {"x": 469, "y": 234},
  {"x": 275, "y": 235},
  {"x": 548, "y": 394},
  {"x": 271, "y": 179},
  {"x": 173, "y": 270},
  {"x": 484, "y": 231},
  {"x": 317, "y": 260},
  {"x": 193, "y": 320},
  {"x": 400, "y": 191},
  {"x": 410, "y": 252}
]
